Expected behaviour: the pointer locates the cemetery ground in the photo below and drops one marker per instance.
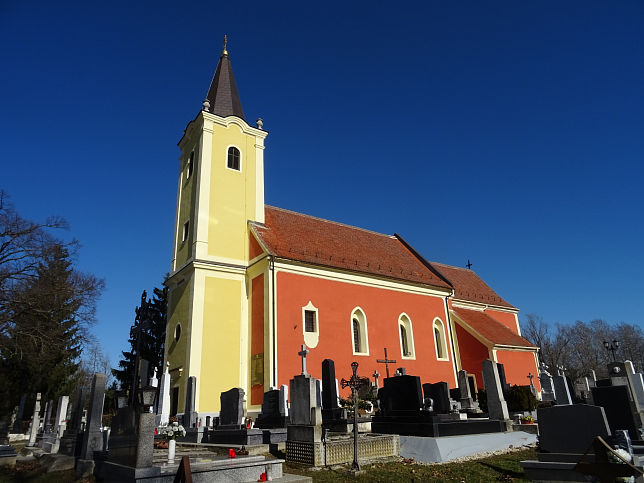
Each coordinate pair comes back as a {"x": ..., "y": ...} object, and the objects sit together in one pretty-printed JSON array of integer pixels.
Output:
[{"x": 498, "y": 467}]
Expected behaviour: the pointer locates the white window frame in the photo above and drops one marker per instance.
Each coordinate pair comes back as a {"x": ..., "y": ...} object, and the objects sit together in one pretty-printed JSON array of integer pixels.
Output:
[
  {"x": 358, "y": 313},
  {"x": 241, "y": 159},
  {"x": 190, "y": 164},
  {"x": 311, "y": 339},
  {"x": 405, "y": 321},
  {"x": 440, "y": 325}
]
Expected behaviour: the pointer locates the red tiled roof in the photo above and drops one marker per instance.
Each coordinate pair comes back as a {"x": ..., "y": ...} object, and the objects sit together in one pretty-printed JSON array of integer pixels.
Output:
[
  {"x": 490, "y": 329},
  {"x": 469, "y": 286},
  {"x": 294, "y": 236}
]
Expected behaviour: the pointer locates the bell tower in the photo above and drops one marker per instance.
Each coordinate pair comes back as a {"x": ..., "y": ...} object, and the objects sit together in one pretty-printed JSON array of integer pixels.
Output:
[{"x": 220, "y": 189}]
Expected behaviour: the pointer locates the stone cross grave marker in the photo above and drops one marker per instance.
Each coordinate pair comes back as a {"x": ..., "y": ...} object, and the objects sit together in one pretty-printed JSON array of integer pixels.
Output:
[
  {"x": 303, "y": 354},
  {"x": 386, "y": 361},
  {"x": 376, "y": 376}
]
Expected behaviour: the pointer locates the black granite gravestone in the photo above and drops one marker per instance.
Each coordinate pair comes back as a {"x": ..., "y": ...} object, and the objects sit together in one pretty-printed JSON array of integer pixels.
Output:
[
  {"x": 439, "y": 392},
  {"x": 333, "y": 416},
  {"x": 231, "y": 428},
  {"x": 401, "y": 394},
  {"x": 619, "y": 408},
  {"x": 570, "y": 428},
  {"x": 270, "y": 416},
  {"x": 189, "y": 415},
  {"x": 505, "y": 387},
  {"x": 232, "y": 408}
]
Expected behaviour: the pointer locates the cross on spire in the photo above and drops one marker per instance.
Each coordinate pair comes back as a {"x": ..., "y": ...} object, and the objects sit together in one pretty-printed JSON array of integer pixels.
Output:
[
  {"x": 468, "y": 264},
  {"x": 386, "y": 362},
  {"x": 224, "y": 51},
  {"x": 303, "y": 354}
]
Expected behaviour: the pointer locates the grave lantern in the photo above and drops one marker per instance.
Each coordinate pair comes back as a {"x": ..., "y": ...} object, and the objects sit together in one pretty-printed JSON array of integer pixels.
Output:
[{"x": 145, "y": 397}]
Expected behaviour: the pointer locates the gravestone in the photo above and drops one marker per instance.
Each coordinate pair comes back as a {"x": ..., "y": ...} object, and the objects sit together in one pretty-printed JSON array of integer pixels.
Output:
[
  {"x": 562, "y": 391},
  {"x": 636, "y": 383},
  {"x": 233, "y": 408},
  {"x": 547, "y": 386},
  {"x": 35, "y": 422},
  {"x": 270, "y": 417},
  {"x": 318, "y": 392},
  {"x": 92, "y": 437},
  {"x": 333, "y": 416},
  {"x": 163, "y": 408},
  {"x": 467, "y": 403},
  {"x": 619, "y": 408},
  {"x": 473, "y": 387},
  {"x": 48, "y": 410},
  {"x": 505, "y": 387},
  {"x": 439, "y": 393},
  {"x": 284, "y": 400},
  {"x": 232, "y": 428},
  {"x": 17, "y": 424},
  {"x": 496, "y": 406},
  {"x": 71, "y": 441},
  {"x": 189, "y": 415},
  {"x": 305, "y": 413},
  {"x": 51, "y": 443},
  {"x": 571, "y": 428}
]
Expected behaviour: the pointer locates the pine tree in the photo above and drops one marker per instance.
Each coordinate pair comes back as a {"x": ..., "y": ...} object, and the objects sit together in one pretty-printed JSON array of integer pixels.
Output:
[
  {"x": 49, "y": 314},
  {"x": 149, "y": 325}
]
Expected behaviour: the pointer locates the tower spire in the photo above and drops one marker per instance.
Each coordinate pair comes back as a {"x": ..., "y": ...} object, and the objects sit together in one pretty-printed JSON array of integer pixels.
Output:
[{"x": 223, "y": 98}]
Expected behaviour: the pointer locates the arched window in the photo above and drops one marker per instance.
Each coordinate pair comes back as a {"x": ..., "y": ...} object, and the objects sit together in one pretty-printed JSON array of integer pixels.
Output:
[
  {"x": 359, "y": 334},
  {"x": 234, "y": 157},
  {"x": 406, "y": 337},
  {"x": 439, "y": 340}
]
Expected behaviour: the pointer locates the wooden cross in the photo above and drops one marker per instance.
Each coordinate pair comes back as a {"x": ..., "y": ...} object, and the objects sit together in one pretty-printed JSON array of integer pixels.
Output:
[
  {"x": 386, "y": 362},
  {"x": 303, "y": 354},
  {"x": 376, "y": 375}
]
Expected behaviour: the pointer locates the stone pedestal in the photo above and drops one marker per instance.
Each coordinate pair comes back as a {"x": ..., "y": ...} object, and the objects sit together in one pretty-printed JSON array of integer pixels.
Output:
[{"x": 496, "y": 405}]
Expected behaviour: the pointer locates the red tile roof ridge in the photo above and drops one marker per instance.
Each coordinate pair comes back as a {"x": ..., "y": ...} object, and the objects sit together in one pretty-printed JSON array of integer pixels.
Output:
[
  {"x": 452, "y": 266},
  {"x": 326, "y": 221}
]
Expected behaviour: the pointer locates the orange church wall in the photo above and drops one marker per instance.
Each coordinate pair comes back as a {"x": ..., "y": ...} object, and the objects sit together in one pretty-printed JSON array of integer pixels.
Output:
[
  {"x": 517, "y": 365},
  {"x": 472, "y": 353},
  {"x": 335, "y": 302},
  {"x": 506, "y": 318},
  {"x": 254, "y": 249},
  {"x": 257, "y": 331}
]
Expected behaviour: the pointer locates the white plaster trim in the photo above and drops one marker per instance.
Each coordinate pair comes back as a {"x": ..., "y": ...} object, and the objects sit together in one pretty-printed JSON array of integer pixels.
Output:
[
  {"x": 259, "y": 180},
  {"x": 410, "y": 336},
  {"x": 364, "y": 331},
  {"x": 227, "y": 121},
  {"x": 195, "y": 333},
  {"x": 467, "y": 304},
  {"x": 330, "y": 273},
  {"x": 516, "y": 319},
  {"x": 202, "y": 194},
  {"x": 440, "y": 325},
  {"x": 311, "y": 339},
  {"x": 176, "y": 224}
]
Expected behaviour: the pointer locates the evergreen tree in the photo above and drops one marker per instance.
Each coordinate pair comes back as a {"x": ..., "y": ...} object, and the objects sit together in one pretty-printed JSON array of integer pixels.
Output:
[
  {"x": 48, "y": 316},
  {"x": 147, "y": 334}
]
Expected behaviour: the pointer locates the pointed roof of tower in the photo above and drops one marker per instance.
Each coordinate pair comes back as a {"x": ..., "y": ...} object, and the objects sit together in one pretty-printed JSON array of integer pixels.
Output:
[{"x": 222, "y": 95}]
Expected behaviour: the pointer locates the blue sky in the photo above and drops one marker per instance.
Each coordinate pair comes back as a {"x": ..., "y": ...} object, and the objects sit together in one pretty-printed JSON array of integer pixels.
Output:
[{"x": 507, "y": 133}]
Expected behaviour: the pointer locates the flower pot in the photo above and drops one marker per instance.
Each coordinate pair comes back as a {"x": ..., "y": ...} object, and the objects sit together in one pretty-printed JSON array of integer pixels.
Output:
[{"x": 172, "y": 447}]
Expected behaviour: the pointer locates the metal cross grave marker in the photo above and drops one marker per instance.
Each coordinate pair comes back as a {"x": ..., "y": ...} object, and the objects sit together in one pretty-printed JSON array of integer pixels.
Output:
[
  {"x": 376, "y": 377},
  {"x": 386, "y": 362},
  {"x": 530, "y": 376},
  {"x": 355, "y": 383}
]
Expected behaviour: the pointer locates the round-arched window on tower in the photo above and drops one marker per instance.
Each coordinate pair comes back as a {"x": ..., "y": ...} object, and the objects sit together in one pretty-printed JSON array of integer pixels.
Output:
[
  {"x": 177, "y": 332},
  {"x": 234, "y": 157}
]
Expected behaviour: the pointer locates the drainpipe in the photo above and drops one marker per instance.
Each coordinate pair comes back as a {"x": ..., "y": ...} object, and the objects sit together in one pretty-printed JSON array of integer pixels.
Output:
[
  {"x": 451, "y": 336},
  {"x": 271, "y": 266}
]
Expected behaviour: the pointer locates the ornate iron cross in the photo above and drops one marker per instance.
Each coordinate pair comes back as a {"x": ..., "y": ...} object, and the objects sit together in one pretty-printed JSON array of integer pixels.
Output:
[{"x": 355, "y": 383}]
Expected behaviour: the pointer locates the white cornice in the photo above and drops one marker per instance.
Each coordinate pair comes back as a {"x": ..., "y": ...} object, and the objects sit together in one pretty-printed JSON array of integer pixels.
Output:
[
  {"x": 330, "y": 273},
  {"x": 468, "y": 304}
]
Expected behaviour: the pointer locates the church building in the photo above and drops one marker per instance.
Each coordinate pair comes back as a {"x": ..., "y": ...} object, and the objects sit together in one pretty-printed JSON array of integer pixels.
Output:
[{"x": 250, "y": 283}]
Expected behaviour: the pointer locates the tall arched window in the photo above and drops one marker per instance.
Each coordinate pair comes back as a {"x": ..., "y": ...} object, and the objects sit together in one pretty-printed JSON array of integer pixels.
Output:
[
  {"x": 406, "y": 337},
  {"x": 359, "y": 335},
  {"x": 356, "y": 335},
  {"x": 234, "y": 157},
  {"x": 439, "y": 340}
]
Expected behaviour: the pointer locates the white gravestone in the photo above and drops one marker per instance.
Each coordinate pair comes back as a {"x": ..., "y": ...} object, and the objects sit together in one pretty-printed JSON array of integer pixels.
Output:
[{"x": 163, "y": 408}]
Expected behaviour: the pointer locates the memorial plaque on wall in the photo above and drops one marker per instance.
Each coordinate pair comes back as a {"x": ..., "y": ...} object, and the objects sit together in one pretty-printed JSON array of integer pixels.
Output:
[{"x": 257, "y": 369}]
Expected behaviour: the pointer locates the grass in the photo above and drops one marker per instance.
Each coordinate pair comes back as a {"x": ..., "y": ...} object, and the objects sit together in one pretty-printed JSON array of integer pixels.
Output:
[{"x": 503, "y": 467}]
